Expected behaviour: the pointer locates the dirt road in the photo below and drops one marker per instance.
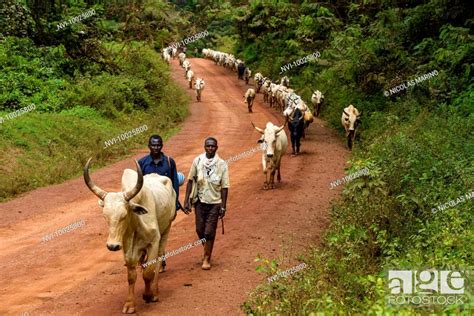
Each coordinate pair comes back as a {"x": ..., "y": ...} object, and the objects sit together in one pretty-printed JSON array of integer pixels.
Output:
[{"x": 75, "y": 274}]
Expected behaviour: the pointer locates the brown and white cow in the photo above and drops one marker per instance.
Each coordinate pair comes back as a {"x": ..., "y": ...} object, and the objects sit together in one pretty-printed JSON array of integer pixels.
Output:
[
  {"x": 139, "y": 220},
  {"x": 249, "y": 97},
  {"x": 350, "y": 119},
  {"x": 274, "y": 142}
]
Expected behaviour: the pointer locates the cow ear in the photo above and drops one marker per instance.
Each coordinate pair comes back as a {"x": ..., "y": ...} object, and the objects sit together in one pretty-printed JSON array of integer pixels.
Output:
[
  {"x": 101, "y": 203},
  {"x": 138, "y": 209}
]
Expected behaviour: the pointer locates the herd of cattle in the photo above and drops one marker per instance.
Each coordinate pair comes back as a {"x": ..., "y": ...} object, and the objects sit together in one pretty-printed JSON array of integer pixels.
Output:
[
  {"x": 284, "y": 99},
  {"x": 195, "y": 82},
  {"x": 139, "y": 217}
]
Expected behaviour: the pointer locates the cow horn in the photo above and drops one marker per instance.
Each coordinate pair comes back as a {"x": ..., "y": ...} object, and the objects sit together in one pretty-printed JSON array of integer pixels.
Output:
[
  {"x": 90, "y": 184},
  {"x": 345, "y": 113},
  {"x": 280, "y": 129},
  {"x": 131, "y": 194},
  {"x": 258, "y": 129}
]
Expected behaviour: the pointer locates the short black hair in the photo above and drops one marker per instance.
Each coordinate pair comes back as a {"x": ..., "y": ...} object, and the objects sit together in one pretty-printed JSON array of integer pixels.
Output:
[
  {"x": 155, "y": 136},
  {"x": 210, "y": 138}
]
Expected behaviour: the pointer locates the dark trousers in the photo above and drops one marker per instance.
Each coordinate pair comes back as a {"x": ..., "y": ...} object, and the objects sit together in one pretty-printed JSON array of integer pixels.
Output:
[
  {"x": 207, "y": 216},
  {"x": 296, "y": 132}
]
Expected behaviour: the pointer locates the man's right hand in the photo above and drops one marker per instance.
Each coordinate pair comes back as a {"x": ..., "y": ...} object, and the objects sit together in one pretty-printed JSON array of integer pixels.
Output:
[{"x": 187, "y": 208}]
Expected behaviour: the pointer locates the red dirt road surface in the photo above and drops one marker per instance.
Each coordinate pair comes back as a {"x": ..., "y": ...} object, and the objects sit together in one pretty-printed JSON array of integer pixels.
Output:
[{"x": 75, "y": 274}]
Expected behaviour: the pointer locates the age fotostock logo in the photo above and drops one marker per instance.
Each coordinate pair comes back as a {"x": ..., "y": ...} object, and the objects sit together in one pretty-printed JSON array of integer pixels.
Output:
[{"x": 426, "y": 287}]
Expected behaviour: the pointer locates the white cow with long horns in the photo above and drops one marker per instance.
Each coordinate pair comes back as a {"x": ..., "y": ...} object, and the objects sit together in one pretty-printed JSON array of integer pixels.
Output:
[{"x": 139, "y": 219}]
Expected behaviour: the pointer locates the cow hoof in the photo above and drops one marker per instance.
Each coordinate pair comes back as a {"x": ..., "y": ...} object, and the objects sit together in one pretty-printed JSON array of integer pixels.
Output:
[
  {"x": 265, "y": 187},
  {"x": 128, "y": 308},
  {"x": 150, "y": 298}
]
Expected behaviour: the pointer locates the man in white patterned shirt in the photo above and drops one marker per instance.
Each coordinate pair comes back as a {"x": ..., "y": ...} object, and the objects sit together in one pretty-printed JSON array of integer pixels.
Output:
[{"x": 211, "y": 176}]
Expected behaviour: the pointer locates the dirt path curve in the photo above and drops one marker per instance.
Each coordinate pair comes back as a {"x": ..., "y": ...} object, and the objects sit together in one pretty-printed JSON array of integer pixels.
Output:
[{"x": 74, "y": 274}]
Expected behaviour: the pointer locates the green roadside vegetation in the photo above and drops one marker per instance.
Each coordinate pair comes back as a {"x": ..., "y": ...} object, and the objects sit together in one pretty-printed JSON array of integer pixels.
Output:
[
  {"x": 89, "y": 82},
  {"x": 418, "y": 144}
]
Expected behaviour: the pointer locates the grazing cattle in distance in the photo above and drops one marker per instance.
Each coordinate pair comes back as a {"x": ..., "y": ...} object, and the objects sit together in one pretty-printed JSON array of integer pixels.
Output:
[
  {"x": 249, "y": 97},
  {"x": 182, "y": 58},
  {"x": 190, "y": 77},
  {"x": 317, "y": 99},
  {"x": 247, "y": 75},
  {"x": 285, "y": 81},
  {"x": 350, "y": 119},
  {"x": 275, "y": 143},
  {"x": 139, "y": 220},
  {"x": 199, "y": 86}
]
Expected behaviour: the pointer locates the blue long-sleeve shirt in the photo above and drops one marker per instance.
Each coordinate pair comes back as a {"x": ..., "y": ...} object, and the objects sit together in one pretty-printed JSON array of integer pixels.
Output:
[{"x": 162, "y": 168}]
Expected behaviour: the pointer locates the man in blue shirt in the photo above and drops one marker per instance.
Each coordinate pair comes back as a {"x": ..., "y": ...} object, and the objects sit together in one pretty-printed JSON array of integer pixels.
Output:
[{"x": 158, "y": 162}]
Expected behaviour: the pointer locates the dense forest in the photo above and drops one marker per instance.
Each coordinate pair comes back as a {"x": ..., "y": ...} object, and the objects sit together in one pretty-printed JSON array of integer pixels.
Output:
[
  {"x": 87, "y": 80},
  {"x": 90, "y": 81}
]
